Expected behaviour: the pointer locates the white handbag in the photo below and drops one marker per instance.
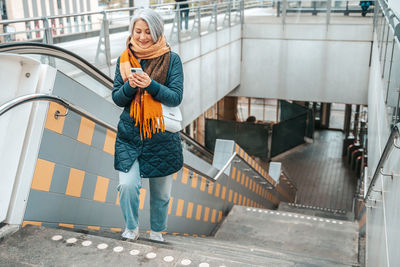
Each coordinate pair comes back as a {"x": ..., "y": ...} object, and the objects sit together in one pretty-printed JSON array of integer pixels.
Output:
[{"x": 172, "y": 118}]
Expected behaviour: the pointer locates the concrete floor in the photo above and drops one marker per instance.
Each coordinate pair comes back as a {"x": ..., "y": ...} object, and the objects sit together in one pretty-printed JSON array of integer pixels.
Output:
[{"x": 322, "y": 177}]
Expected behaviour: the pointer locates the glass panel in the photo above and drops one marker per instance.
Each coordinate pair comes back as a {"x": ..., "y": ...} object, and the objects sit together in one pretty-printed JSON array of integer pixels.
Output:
[
  {"x": 235, "y": 12},
  {"x": 349, "y": 12},
  {"x": 208, "y": 20},
  {"x": 223, "y": 15},
  {"x": 394, "y": 84},
  {"x": 306, "y": 12},
  {"x": 383, "y": 44},
  {"x": 388, "y": 57}
]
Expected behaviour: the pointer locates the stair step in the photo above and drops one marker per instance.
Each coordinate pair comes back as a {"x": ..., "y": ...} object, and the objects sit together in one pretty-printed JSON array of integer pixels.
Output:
[
  {"x": 36, "y": 246},
  {"x": 316, "y": 211},
  {"x": 310, "y": 236}
]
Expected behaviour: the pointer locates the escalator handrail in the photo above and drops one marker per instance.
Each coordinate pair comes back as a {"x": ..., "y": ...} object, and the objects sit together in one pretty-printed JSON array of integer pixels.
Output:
[{"x": 58, "y": 52}]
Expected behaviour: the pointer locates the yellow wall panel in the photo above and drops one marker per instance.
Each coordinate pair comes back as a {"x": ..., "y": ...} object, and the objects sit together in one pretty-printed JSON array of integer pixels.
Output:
[
  {"x": 43, "y": 175},
  {"x": 109, "y": 143},
  {"x": 66, "y": 225},
  {"x": 142, "y": 198},
  {"x": 233, "y": 172},
  {"x": 194, "y": 180},
  {"x": 213, "y": 215},
  {"x": 100, "y": 192},
  {"x": 25, "y": 223},
  {"x": 189, "y": 211},
  {"x": 223, "y": 194},
  {"x": 171, "y": 200},
  {"x": 86, "y": 130},
  {"x": 217, "y": 189},
  {"x": 185, "y": 174},
  {"x": 198, "y": 212},
  {"x": 75, "y": 182},
  {"x": 210, "y": 188},
  {"x": 206, "y": 214},
  {"x": 53, "y": 124},
  {"x": 203, "y": 184},
  {"x": 179, "y": 208}
]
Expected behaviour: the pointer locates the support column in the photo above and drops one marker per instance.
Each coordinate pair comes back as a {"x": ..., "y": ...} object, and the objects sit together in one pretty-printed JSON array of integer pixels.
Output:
[{"x": 347, "y": 120}]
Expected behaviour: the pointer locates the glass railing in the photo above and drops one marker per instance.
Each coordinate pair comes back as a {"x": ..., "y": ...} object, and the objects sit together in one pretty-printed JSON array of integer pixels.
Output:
[{"x": 387, "y": 28}]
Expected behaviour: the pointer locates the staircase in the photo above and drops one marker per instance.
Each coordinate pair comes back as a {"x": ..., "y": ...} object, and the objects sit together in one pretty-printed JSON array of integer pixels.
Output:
[{"x": 247, "y": 237}]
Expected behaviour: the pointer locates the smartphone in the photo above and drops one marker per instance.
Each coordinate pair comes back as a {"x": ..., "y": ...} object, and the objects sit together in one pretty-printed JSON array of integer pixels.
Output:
[{"x": 136, "y": 70}]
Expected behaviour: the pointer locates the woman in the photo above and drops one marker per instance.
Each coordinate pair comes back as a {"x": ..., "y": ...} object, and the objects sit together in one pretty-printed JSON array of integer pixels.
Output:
[{"x": 142, "y": 148}]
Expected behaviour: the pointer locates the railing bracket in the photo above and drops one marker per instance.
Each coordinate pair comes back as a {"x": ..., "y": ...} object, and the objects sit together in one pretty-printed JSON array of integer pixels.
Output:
[
  {"x": 395, "y": 144},
  {"x": 58, "y": 114},
  {"x": 385, "y": 174}
]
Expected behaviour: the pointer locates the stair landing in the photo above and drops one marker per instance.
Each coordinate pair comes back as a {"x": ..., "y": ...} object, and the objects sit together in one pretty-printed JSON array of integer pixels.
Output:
[{"x": 329, "y": 240}]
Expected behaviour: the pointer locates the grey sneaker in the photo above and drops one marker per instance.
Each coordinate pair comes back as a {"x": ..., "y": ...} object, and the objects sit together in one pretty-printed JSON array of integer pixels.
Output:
[
  {"x": 131, "y": 234},
  {"x": 156, "y": 236}
]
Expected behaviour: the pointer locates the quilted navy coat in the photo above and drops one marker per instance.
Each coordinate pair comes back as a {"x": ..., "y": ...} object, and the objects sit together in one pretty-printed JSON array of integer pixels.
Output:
[{"x": 161, "y": 154}]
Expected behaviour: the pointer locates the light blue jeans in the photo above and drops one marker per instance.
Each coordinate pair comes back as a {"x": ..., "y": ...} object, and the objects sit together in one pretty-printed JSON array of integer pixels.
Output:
[{"x": 129, "y": 190}]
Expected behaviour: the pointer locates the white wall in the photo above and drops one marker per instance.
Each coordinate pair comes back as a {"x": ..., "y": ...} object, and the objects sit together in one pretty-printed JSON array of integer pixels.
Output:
[
  {"x": 307, "y": 62},
  {"x": 383, "y": 217},
  {"x": 20, "y": 130},
  {"x": 211, "y": 66},
  {"x": 395, "y": 6}
]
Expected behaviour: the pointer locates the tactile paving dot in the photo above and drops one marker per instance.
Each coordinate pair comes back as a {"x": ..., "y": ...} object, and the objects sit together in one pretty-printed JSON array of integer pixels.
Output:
[
  {"x": 71, "y": 240},
  {"x": 118, "y": 249},
  {"x": 186, "y": 262},
  {"x": 56, "y": 237},
  {"x": 102, "y": 246},
  {"x": 204, "y": 264},
  {"x": 151, "y": 255},
  {"x": 168, "y": 258},
  {"x": 86, "y": 243},
  {"x": 134, "y": 252}
]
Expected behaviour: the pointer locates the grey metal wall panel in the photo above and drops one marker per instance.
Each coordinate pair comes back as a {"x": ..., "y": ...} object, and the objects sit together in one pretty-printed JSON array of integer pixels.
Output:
[
  {"x": 60, "y": 179},
  {"x": 71, "y": 125},
  {"x": 88, "y": 186},
  {"x": 99, "y": 137}
]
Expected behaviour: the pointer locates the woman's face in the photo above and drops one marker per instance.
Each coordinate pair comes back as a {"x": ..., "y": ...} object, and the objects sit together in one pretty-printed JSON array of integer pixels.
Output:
[{"x": 141, "y": 34}]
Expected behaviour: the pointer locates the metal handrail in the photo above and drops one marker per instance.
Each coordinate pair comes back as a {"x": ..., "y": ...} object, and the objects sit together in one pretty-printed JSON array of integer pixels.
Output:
[
  {"x": 89, "y": 13},
  {"x": 45, "y": 97},
  {"x": 289, "y": 179},
  {"x": 197, "y": 145},
  {"x": 255, "y": 170},
  {"x": 221, "y": 171},
  {"x": 58, "y": 52},
  {"x": 395, "y": 133}
]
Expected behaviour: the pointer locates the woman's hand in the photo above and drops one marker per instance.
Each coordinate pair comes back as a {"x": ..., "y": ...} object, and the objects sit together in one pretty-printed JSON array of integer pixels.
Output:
[{"x": 141, "y": 80}]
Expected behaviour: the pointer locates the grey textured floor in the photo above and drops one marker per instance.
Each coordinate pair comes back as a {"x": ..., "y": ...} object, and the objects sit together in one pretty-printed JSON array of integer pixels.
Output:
[{"x": 322, "y": 177}]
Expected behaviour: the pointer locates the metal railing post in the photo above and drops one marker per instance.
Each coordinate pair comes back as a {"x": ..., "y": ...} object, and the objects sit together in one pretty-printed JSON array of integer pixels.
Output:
[
  {"x": 284, "y": 9},
  {"x": 212, "y": 26},
  {"x": 48, "y": 39},
  {"x": 328, "y": 12},
  {"x": 196, "y": 29},
  {"x": 103, "y": 46}
]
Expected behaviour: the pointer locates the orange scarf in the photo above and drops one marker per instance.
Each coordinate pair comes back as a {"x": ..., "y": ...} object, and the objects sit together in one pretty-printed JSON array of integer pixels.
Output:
[{"x": 146, "y": 111}]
